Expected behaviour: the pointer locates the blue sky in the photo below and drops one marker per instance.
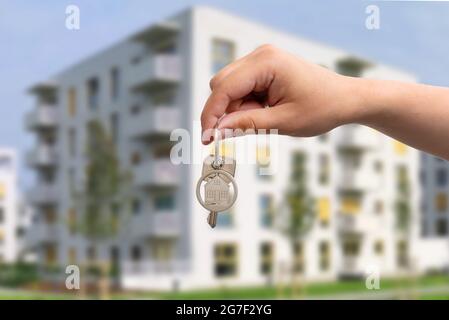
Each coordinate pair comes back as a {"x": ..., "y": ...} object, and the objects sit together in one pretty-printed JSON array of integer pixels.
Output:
[{"x": 36, "y": 44}]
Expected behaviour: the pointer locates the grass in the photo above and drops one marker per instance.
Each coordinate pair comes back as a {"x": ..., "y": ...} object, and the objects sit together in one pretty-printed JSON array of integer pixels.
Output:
[{"x": 312, "y": 290}]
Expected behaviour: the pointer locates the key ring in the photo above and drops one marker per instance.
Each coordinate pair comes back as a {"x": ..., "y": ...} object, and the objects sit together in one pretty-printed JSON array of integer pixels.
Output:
[{"x": 218, "y": 172}]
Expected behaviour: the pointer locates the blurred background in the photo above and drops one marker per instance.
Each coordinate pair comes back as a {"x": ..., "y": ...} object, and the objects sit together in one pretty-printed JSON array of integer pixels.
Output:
[{"x": 91, "y": 205}]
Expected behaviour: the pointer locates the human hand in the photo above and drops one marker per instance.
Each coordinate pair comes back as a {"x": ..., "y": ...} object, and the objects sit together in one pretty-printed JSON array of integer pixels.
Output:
[{"x": 303, "y": 99}]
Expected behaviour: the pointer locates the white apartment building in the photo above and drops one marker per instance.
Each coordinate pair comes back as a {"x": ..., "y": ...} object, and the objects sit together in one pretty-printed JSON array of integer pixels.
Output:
[
  {"x": 10, "y": 233},
  {"x": 156, "y": 81}
]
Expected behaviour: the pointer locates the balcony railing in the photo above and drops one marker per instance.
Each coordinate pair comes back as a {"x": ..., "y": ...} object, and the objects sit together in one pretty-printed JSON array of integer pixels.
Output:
[
  {"x": 156, "y": 224},
  {"x": 154, "y": 267},
  {"x": 42, "y": 156},
  {"x": 358, "y": 179},
  {"x": 43, "y": 232},
  {"x": 157, "y": 172},
  {"x": 43, "y": 117},
  {"x": 358, "y": 137},
  {"x": 154, "y": 121},
  {"x": 156, "y": 71},
  {"x": 43, "y": 194}
]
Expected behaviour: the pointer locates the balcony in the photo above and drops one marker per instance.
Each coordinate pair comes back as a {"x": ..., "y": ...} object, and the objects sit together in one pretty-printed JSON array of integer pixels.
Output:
[
  {"x": 43, "y": 232},
  {"x": 358, "y": 179},
  {"x": 156, "y": 224},
  {"x": 43, "y": 194},
  {"x": 42, "y": 156},
  {"x": 154, "y": 121},
  {"x": 353, "y": 223},
  {"x": 155, "y": 72},
  {"x": 358, "y": 137},
  {"x": 43, "y": 117},
  {"x": 156, "y": 173},
  {"x": 154, "y": 267}
]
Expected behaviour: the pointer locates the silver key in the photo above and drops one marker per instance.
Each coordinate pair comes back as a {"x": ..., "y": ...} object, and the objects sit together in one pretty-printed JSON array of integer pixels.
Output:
[{"x": 217, "y": 195}]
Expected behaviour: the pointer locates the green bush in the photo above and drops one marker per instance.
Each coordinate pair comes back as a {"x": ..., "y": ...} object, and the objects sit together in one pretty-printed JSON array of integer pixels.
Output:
[{"x": 13, "y": 275}]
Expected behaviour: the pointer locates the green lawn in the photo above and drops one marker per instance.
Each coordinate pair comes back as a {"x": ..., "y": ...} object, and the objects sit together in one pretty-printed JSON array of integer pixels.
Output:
[{"x": 312, "y": 290}]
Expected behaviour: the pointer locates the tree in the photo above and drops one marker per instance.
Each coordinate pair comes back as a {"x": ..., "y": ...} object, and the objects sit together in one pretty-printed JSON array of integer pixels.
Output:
[
  {"x": 297, "y": 216},
  {"x": 104, "y": 189}
]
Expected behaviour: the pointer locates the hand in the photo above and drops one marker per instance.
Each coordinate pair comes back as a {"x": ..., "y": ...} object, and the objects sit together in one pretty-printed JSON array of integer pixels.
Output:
[{"x": 303, "y": 99}]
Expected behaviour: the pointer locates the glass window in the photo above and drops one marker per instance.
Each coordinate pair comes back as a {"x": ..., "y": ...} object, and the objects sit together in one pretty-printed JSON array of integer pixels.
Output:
[
  {"x": 93, "y": 93},
  {"x": 72, "y": 142},
  {"x": 441, "y": 177},
  {"x": 164, "y": 202},
  {"x": 2, "y": 215},
  {"x": 298, "y": 255},
  {"x": 267, "y": 210},
  {"x": 115, "y": 127},
  {"x": 266, "y": 258},
  {"x": 115, "y": 83},
  {"x": 324, "y": 210},
  {"x": 441, "y": 227},
  {"x": 379, "y": 247},
  {"x": 325, "y": 258},
  {"x": 225, "y": 219},
  {"x": 324, "y": 167},
  {"x": 226, "y": 259},
  {"x": 441, "y": 202},
  {"x": 71, "y": 102},
  {"x": 136, "y": 206},
  {"x": 223, "y": 53},
  {"x": 136, "y": 253}
]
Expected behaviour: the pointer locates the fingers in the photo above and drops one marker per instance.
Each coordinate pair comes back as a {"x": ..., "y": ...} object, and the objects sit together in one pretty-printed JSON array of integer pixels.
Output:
[
  {"x": 249, "y": 119},
  {"x": 248, "y": 77}
]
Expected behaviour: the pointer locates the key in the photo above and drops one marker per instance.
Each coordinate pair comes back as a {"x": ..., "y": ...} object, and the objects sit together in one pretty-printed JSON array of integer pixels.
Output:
[{"x": 217, "y": 195}]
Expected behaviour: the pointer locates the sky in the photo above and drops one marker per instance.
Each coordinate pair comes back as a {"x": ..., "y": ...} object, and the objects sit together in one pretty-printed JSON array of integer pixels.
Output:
[{"x": 35, "y": 43}]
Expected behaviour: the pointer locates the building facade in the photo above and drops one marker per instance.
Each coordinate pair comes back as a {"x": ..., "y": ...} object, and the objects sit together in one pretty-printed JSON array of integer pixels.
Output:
[
  {"x": 156, "y": 81},
  {"x": 10, "y": 221}
]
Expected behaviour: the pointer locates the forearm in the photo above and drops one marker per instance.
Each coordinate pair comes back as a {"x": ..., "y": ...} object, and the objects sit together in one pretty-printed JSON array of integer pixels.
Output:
[{"x": 415, "y": 114}]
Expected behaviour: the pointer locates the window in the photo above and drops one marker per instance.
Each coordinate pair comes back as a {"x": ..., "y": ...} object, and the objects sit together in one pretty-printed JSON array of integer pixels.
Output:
[
  {"x": 136, "y": 206},
  {"x": 324, "y": 210},
  {"x": 2, "y": 236},
  {"x": 298, "y": 256},
  {"x": 379, "y": 247},
  {"x": 263, "y": 158},
  {"x": 2, "y": 215},
  {"x": 115, "y": 83},
  {"x": 441, "y": 227},
  {"x": 225, "y": 219},
  {"x": 93, "y": 93},
  {"x": 399, "y": 148},
  {"x": 350, "y": 204},
  {"x": 378, "y": 207},
  {"x": 135, "y": 158},
  {"x": 266, "y": 258},
  {"x": 324, "y": 137},
  {"x": 162, "y": 249},
  {"x": 71, "y": 102},
  {"x": 50, "y": 255},
  {"x": 72, "y": 142},
  {"x": 324, "y": 248},
  {"x": 72, "y": 220},
  {"x": 351, "y": 247},
  {"x": 136, "y": 253},
  {"x": 115, "y": 127},
  {"x": 72, "y": 255},
  {"x": 324, "y": 167},
  {"x": 164, "y": 202},
  {"x": 441, "y": 177},
  {"x": 91, "y": 253},
  {"x": 223, "y": 53},
  {"x": 267, "y": 210},
  {"x": 226, "y": 258},
  {"x": 378, "y": 166},
  {"x": 402, "y": 253},
  {"x": 441, "y": 202}
]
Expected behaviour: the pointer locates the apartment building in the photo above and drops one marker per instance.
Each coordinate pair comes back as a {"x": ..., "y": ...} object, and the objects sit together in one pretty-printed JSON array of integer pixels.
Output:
[
  {"x": 157, "y": 80},
  {"x": 10, "y": 232}
]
